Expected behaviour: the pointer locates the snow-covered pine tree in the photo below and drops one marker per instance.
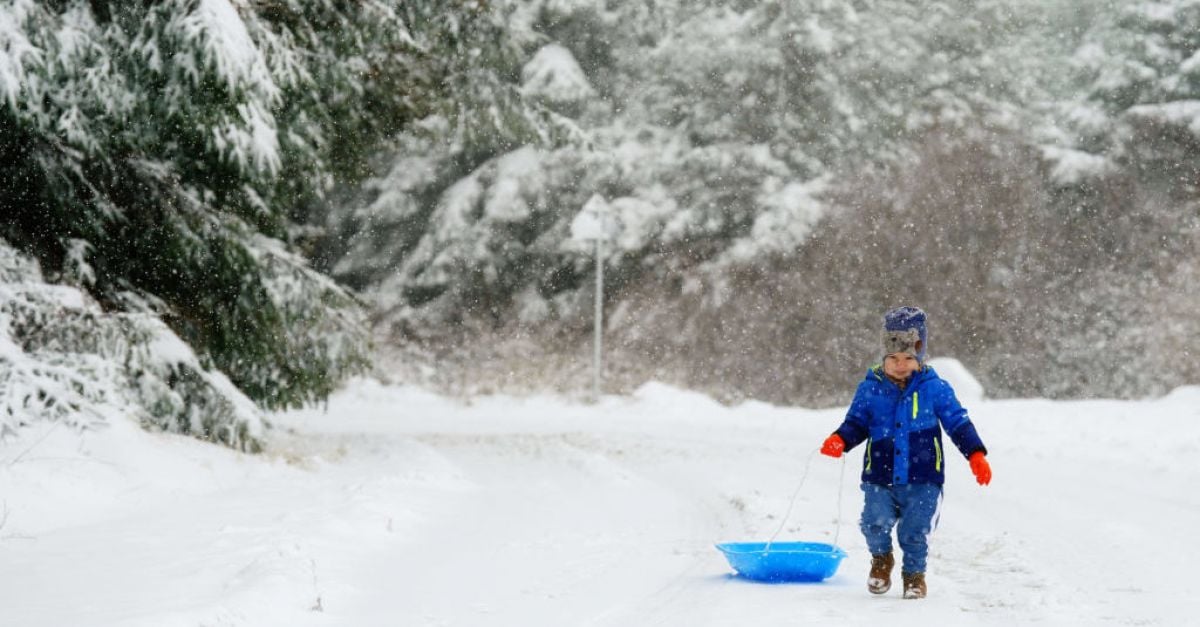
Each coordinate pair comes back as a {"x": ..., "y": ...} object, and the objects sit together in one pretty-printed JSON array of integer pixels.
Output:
[
  {"x": 476, "y": 57},
  {"x": 713, "y": 128},
  {"x": 1139, "y": 73},
  {"x": 167, "y": 149},
  {"x": 64, "y": 358}
]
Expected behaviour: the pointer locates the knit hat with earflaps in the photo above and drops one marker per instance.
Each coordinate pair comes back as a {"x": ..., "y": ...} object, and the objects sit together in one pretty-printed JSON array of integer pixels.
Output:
[{"x": 904, "y": 332}]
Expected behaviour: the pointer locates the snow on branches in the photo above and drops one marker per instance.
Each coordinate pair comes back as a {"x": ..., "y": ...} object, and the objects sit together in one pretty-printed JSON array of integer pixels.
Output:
[{"x": 63, "y": 358}]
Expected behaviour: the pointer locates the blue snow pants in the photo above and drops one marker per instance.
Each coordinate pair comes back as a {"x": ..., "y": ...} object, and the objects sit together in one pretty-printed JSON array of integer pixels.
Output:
[{"x": 913, "y": 509}]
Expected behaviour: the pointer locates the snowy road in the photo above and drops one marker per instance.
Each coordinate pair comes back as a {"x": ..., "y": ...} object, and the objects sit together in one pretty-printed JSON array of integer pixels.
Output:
[{"x": 397, "y": 507}]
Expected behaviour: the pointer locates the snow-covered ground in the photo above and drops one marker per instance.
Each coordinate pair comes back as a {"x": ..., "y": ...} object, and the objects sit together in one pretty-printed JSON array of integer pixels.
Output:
[{"x": 394, "y": 506}]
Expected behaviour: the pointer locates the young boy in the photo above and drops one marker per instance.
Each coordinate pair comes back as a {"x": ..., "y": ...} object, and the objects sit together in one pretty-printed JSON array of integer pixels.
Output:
[{"x": 897, "y": 411}]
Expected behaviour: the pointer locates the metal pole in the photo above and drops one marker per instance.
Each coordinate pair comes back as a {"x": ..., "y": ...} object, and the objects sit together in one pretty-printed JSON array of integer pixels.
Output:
[{"x": 599, "y": 316}]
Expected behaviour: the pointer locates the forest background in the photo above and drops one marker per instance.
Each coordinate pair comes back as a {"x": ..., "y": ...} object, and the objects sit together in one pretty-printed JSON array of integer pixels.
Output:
[{"x": 217, "y": 208}]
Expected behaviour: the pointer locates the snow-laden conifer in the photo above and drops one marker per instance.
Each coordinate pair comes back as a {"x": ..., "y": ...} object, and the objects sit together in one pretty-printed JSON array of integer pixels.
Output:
[
  {"x": 162, "y": 158},
  {"x": 64, "y": 359},
  {"x": 722, "y": 124}
]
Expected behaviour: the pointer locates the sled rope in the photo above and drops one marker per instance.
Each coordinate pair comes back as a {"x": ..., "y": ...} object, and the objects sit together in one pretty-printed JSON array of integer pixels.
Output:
[{"x": 837, "y": 521}]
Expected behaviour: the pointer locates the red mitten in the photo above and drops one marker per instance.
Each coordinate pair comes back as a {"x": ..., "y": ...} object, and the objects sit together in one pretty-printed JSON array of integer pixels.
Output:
[
  {"x": 833, "y": 446},
  {"x": 979, "y": 466}
]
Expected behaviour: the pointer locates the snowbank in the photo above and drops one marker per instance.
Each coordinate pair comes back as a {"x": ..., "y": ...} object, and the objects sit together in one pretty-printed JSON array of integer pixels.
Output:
[{"x": 966, "y": 386}]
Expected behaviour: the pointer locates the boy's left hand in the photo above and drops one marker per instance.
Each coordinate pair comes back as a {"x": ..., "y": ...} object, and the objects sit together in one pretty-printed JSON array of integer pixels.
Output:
[
  {"x": 833, "y": 446},
  {"x": 981, "y": 468}
]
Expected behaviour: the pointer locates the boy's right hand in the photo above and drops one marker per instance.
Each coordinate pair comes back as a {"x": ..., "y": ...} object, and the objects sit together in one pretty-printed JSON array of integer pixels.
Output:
[
  {"x": 833, "y": 446},
  {"x": 980, "y": 467}
]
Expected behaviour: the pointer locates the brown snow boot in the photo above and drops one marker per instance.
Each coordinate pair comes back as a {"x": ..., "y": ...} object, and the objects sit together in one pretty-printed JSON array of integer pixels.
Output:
[
  {"x": 880, "y": 579},
  {"x": 914, "y": 585}
]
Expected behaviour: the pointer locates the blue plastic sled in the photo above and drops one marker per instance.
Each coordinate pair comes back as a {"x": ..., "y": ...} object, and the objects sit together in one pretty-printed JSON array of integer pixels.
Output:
[{"x": 783, "y": 561}]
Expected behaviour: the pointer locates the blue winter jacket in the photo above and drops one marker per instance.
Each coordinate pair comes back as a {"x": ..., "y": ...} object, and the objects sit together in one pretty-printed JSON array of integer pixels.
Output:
[{"x": 903, "y": 429}]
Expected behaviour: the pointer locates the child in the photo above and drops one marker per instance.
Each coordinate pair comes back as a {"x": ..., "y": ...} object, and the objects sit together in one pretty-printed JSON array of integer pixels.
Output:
[{"x": 897, "y": 411}]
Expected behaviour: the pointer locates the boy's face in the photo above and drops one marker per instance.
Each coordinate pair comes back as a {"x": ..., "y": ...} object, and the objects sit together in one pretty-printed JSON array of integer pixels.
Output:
[{"x": 900, "y": 366}]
